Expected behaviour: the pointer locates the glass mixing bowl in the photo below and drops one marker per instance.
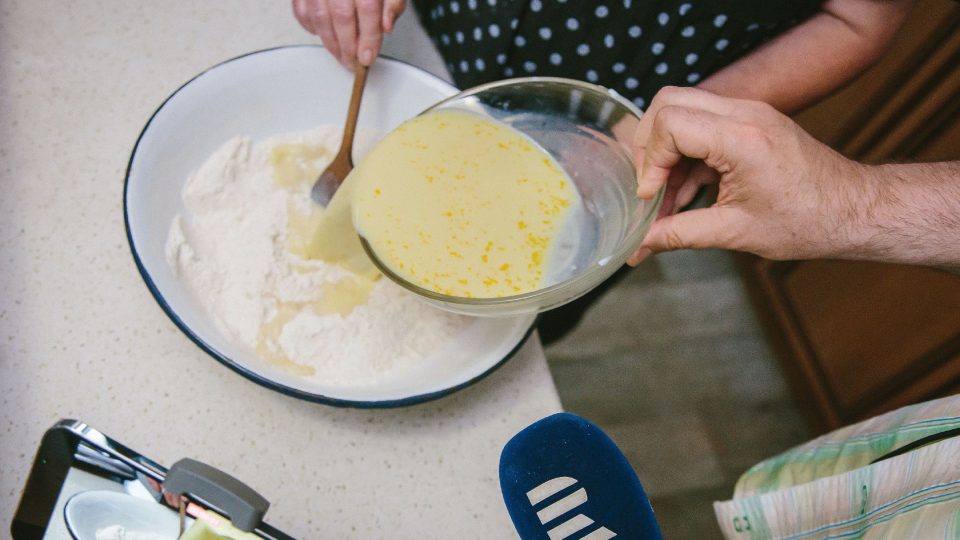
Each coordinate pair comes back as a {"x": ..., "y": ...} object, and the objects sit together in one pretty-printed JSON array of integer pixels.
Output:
[{"x": 589, "y": 130}]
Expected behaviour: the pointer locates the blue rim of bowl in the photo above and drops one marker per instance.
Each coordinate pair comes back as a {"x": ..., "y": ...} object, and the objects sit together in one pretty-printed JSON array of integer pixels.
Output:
[
  {"x": 66, "y": 520},
  {"x": 228, "y": 362}
]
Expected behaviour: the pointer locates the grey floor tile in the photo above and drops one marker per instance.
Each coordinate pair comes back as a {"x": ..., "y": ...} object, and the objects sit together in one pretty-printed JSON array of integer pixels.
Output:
[
  {"x": 689, "y": 515},
  {"x": 634, "y": 314},
  {"x": 746, "y": 432},
  {"x": 723, "y": 368},
  {"x": 617, "y": 389},
  {"x": 661, "y": 380},
  {"x": 684, "y": 265},
  {"x": 670, "y": 455}
]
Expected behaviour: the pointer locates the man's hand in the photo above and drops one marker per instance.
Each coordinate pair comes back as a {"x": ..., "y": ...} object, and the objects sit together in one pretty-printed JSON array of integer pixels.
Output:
[
  {"x": 782, "y": 194},
  {"x": 351, "y": 29},
  {"x": 686, "y": 177}
]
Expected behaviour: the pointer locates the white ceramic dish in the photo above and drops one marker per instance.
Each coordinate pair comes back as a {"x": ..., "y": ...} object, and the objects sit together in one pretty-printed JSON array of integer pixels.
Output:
[
  {"x": 87, "y": 512},
  {"x": 263, "y": 94}
]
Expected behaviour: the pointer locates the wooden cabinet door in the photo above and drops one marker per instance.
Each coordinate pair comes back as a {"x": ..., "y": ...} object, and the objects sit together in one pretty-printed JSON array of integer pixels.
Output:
[{"x": 859, "y": 338}]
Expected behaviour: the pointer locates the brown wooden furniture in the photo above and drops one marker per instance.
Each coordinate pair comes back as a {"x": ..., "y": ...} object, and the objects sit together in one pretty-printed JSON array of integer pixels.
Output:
[{"x": 857, "y": 338}]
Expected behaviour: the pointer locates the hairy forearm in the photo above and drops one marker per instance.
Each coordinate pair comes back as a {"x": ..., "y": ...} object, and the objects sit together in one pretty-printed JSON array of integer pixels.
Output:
[
  {"x": 911, "y": 215},
  {"x": 816, "y": 57}
]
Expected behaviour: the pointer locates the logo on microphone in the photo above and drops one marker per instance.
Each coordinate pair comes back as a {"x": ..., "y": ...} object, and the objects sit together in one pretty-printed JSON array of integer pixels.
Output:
[{"x": 550, "y": 512}]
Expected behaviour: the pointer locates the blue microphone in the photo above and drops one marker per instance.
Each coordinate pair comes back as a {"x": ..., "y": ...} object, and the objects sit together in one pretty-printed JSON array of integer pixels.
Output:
[{"x": 562, "y": 478}]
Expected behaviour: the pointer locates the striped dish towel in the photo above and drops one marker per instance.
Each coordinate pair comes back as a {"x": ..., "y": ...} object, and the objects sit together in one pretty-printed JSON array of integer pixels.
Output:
[{"x": 831, "y": 487}]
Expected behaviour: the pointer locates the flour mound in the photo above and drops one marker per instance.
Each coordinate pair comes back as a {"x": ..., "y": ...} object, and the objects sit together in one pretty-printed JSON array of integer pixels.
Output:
[{"x": 230, "y": 249}]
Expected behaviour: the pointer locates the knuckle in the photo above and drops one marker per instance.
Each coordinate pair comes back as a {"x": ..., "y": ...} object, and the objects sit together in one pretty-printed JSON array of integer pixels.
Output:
[
  {"x": 372, "y": 41},
  {"x": 766, "y": 113},
  {"x": 758, "y": 135},
  {"x": 675, "y": 94},
  {"x": 368, "y": 6},
  {"x": 320, "y": 12},
  {"x": 342, "y": 11},
  {"x": 674, "y": 241},
  {"x": 764, "y": 108},
  {"x": 670, "y": 93},
  {"x": 668, "y": 115}
]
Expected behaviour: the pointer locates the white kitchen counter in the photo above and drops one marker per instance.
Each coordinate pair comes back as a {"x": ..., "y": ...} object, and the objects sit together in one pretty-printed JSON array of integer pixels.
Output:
[{"x": 81, "y": 337}]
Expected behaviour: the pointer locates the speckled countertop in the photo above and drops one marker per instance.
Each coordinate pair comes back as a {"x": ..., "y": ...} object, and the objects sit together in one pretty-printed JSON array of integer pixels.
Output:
[{"x": 81, "y": 337}]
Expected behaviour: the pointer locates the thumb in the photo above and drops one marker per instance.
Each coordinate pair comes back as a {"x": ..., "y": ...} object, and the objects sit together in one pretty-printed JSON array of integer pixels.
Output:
[{"x": 694, "y": 229}]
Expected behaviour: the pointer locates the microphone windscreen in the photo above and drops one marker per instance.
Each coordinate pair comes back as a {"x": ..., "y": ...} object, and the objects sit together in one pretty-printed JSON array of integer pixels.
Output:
[{"x": 563, "y": 478}]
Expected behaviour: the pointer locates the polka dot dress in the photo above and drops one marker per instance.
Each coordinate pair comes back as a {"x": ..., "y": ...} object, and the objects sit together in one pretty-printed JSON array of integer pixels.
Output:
[{"x": 633, "y": 46}]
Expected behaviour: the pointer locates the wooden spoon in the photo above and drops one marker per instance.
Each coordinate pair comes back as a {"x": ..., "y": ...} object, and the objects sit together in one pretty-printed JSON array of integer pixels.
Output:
[{"x": 325, "y": 186}]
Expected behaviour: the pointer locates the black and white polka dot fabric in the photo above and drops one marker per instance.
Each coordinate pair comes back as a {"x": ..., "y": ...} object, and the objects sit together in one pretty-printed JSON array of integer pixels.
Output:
[{"x": 633, "y": 46}]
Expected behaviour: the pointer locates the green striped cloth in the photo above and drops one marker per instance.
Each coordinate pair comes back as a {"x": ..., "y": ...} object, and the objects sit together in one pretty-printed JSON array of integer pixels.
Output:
[{"x": 827, "y": 488}]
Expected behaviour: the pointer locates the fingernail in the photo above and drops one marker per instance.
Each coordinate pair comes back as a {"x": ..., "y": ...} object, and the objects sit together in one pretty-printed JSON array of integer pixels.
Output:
[
  {"x": 644, "y": 192},
  {"x": 366, "y": 57},
  {"x": 641, "y": 174},
  {"x": 640, "y": 256}
]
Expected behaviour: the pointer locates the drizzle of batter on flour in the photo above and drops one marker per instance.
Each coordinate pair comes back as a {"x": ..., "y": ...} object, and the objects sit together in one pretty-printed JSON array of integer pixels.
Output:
[{"x": 243, "y": 248}]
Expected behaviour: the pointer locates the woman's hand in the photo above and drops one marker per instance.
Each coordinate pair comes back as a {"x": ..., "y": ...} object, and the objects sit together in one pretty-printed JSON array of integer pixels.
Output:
[{"x": 351, "y": 29}]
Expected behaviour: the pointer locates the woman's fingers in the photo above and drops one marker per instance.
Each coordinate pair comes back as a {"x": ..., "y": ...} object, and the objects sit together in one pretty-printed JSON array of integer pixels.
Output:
[
  {"x": 301, "y": 12},
  {"x": 369, "y": 25},
  {"x": 392, "y": 9},
  {"x": 314, "y": 17},
  {"x": 352, "y": 30},
  {"x": 343, "y": 16}
]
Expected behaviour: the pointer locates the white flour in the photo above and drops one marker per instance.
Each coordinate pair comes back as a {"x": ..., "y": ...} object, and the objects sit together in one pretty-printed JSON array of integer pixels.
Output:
[{"x": 231, "y": 250}]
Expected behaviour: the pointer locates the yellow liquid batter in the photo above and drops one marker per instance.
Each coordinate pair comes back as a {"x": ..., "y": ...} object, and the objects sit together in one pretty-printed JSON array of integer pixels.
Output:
[
  {"x": 462, "y": 205},
  {"x": 314, "y": 232}
]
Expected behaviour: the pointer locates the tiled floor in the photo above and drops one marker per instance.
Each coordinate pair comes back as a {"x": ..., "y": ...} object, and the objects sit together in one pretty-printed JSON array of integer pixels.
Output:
[{"x": 672, "y": 364}]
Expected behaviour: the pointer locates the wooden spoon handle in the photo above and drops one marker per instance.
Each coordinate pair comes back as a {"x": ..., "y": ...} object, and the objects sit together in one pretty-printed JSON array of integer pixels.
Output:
[{"x": 353, "y": 111}]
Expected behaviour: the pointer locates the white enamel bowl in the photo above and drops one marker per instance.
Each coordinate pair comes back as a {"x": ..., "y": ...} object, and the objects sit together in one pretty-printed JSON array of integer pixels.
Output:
[
  {"x": 90, "y": 511},
  {"x": 259, "y": 95}
]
